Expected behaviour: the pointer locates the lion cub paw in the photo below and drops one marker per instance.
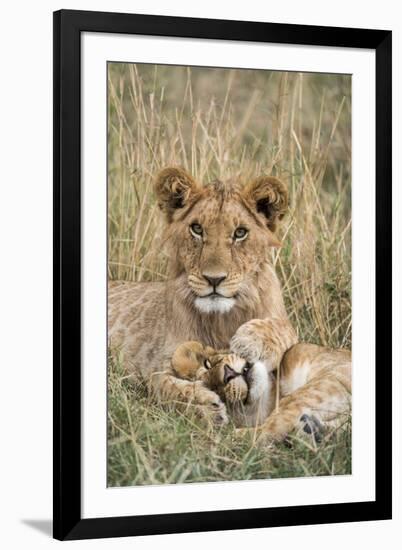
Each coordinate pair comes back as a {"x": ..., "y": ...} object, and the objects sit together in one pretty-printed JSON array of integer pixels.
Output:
[
  {"x": 278, "y": 429},
  {"x": 209, "y": 405},
  {"x": 263, "y": 340},
  {"x": 272, "y": 431},
  {"x": 312, "y": 426},
  {"x": 247, "y": 341}
]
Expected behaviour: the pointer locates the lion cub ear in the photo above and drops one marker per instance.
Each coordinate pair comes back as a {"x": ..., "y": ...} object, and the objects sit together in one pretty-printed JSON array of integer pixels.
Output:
[
  {"x": 269, "y": 197},
  {"x": 189, "y": 357},
  {"x": 175, "y": 189}
]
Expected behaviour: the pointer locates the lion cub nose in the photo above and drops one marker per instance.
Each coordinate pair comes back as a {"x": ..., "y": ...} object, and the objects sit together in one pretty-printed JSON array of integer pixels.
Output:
[
  {"x": 214, "y": 280},
  {"x": 229, "y": 374}
]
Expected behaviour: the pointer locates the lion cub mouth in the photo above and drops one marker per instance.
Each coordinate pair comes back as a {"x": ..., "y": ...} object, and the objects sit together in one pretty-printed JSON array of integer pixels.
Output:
[
  {"x": 236, "y": 390},
  {"x": 248, "y": 388}
]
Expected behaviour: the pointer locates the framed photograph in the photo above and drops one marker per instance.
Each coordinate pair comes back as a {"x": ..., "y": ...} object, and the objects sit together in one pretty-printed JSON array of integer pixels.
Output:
[{"x": 222, "y": 274}]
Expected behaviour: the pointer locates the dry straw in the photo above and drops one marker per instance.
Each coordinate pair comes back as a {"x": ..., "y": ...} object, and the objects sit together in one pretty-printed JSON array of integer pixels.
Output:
[{"x": 225, "y": 123}]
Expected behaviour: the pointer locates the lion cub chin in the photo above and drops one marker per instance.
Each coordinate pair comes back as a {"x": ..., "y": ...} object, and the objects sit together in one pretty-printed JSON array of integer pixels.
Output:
[
  {"x": 247, "y": 389},
  {"x": 260, "y": 400}
]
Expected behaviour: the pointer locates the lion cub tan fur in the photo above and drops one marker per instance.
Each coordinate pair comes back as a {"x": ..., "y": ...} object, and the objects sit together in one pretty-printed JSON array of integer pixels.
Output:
[
  {"x": 247, "y": 390},
  {"x": 315, "y": 383},
  {"x": 222, "y": 289}
]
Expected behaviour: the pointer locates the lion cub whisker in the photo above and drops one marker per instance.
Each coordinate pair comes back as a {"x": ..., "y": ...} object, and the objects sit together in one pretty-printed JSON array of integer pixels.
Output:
[{"x": 276, "y": 403}]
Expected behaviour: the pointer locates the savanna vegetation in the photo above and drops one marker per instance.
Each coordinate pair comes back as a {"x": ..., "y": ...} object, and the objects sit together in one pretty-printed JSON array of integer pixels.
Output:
[{"x": 219, "y": 123}]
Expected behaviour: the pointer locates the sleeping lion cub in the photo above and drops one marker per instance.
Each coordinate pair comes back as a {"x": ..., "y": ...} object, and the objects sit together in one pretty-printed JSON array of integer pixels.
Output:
[
  {"x": 315, "y": 386},
  {"x": 247, "y": 390}
]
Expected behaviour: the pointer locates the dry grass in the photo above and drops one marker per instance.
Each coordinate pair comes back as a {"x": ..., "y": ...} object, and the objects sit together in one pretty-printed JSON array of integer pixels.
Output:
[
  {"x": 148, "y": 444},
  {"x": 219, "y": 123}
]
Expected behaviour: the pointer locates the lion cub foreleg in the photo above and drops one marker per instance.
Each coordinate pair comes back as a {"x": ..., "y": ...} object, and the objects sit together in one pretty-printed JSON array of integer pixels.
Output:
[
  {"x": 311, "y": 408},
  {"x": 188, "y": 395},
  {"x": 264, "y": 340},
  {"x": 186, "y": 392},
  {"x": 315, "y": 387}
]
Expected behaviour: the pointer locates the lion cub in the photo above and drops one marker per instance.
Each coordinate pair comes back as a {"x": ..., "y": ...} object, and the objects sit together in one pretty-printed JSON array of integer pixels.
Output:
[
  {"x": 248, "y": 390},
  {"x": 314, "y": 387}
]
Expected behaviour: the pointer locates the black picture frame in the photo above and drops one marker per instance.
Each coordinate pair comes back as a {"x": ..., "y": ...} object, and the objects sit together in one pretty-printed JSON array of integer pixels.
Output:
[{"x": 68, "y": 26}]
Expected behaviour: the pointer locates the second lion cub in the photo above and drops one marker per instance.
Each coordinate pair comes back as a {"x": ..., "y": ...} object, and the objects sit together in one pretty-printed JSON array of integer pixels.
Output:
[{"x": 315, "y": 386}]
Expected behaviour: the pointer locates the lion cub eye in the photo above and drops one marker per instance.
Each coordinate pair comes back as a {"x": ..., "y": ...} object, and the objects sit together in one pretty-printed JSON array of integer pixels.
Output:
[
  {"x": 207, "y": 364},
  {"x": 240, "y": 234},
  {"x": 196, "y": 230}
]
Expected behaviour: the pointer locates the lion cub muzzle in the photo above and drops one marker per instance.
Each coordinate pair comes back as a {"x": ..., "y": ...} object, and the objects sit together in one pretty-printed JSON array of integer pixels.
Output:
[{"x": 225, "y": 373}]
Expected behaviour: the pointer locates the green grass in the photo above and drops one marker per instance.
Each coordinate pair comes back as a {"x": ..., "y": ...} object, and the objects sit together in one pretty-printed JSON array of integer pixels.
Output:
[
  {"x": 150, "y": 444},
  {"x": 217, "y": 124}
]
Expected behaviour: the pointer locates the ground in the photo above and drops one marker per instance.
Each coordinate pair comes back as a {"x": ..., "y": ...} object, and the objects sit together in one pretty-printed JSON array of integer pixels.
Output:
[{"x": 149, "y": 444}]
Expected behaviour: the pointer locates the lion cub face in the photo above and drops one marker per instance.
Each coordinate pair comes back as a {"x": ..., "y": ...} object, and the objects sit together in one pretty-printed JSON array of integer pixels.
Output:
[
  {"x": 220, "y": 234},
  {"x": 227, "y": 374}
]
